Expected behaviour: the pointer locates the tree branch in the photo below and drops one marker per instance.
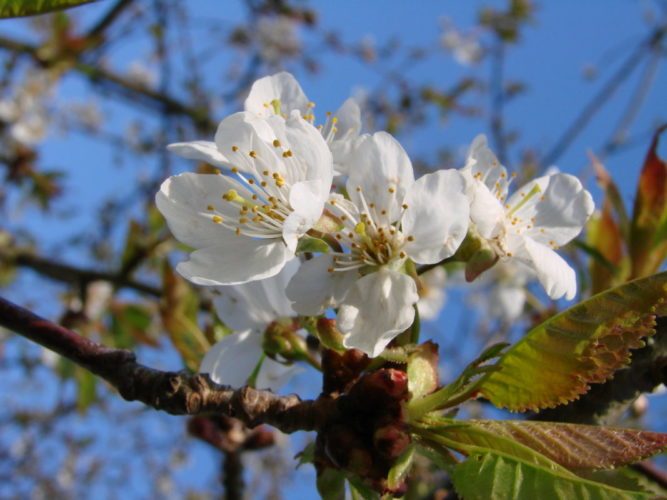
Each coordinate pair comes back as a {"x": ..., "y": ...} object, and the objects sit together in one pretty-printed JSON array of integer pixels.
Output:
[
  {"x": 177, "y": 393},
  {"x": 66, "y": 273},
  {"x": 605, "y": 403}
]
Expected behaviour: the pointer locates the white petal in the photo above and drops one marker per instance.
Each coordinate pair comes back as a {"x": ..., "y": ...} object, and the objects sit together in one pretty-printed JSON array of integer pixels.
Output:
[
  {"x": 238, "y": 135},
  {"x": 232, "y": 360},
  {"x": 205, "y": 151},
  {"x": 307, "y": 205},
  {"x": 282, "y": 87},
  {"x": 184, "y": 201},
  {"x": 486, "y": 210},
  {"x": 483, "y": 165},
  {"x": 313, "y": 289},
  {"x": 376, "y": 309},
  {"x": 555, "y": 275},
  {"x": 308, "y": 145},
  {"x": 348, "y": 128},
  {"x": 559, "y": 213},
  {"x": 256, "y": 304},
  {"x": 379, "y": 165},
  {"x": 437, "y": 216},
  {"x": 235, "y": 260}
]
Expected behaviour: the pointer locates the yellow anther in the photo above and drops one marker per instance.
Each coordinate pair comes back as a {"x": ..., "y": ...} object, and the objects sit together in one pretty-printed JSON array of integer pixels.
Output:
[
  {"x": 276, "y": 143},
  {"x": 235, "y": 170},
  {"x": 254, "y": 196},
  {"x": 311, "y": 104},
  {"x": 235, "y": 148},
  {"x": 232, "y": 195},
  {"x": 251, "y": 181},
  {"x": 265, "y": 172},
  {"x": 411, "y": 238},
  {"x": 264, "y": 183},
  {"x": 391, "y": 190},
  {"x": 402, "y": 255},
  {"x": 287, "y": 154},
  {"x": 360, "y": 228},
  {"x": 405, "y": 206},
  {"x": 243, "y": 220},
  {"x": 217, "y": 219},
  {"x": 210, "y": 207},
  {"x": 238, "y": 231},
  {"x": 252, "y": 154},
  {"x": 330, "y": 269},
  {"x": 383, "y": 212},
  {"x": 334, "y": 119}
]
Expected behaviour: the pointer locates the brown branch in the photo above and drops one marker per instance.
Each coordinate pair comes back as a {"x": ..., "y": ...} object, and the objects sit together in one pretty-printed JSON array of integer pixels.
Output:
[
  {"x": 108, "y": 19},
  {"x": 177, "y": 393},
  {"x": 66, "y": 273},
  {"x": 133, "y": 91}
]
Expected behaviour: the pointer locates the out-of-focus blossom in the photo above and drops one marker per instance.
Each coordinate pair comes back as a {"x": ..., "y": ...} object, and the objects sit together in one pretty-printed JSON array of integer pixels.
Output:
[
  {"x": 277, "y": 38},
  {"x": 465, "y": 47},
  {"x": 249, "y": 309}
]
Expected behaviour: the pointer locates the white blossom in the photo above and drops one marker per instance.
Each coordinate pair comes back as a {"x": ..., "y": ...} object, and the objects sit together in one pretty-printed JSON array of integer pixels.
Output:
[
  {"x": 532, "y": 223},
  {"x": 281, "y": 94},
  {"x": 245, "y": 224},
  {"x": 389, "y": 219},
  {"x": 431, "y": 293},
  {"x": 249, "y": 309},
  {"x": 277, "y": 38}
]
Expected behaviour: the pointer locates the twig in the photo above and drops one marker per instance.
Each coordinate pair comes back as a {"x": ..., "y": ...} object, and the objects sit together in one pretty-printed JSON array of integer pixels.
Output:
[
  {"x": 498, "y": 100},
  {"x": 177, "y": 393},
  {"x": 105, "y": 21},
  {"x": 66, "y": 273},
  {"x": 134, "y": 92},
  {"x": 232, "y": 478},
  {"x": 602, "y": 96}
]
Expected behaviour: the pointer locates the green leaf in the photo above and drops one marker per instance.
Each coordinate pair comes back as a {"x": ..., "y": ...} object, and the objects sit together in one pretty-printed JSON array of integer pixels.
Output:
[
  {"x": 86, "y": 390},
  {"x": 423, "y": 370},
  {"x": 650, "y": 210},
  {"x": 556, "y": 361},
  {"x": 331, "y": 484},
  {"x": 313, "y": 245},
  {"x": 179, "y": 311},
  {"x": 359, "y": 490},
  {"x": 20, "y": 8},
  {"x": 571, "y": 445},
  {"x": 486, "y": 476},
  {"x": 463, "y": 388},
  {"x": 401, "y": 468}
]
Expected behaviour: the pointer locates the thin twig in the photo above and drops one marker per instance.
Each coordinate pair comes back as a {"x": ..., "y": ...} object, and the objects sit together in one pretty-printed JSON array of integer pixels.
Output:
[
  {"x": 66, "y": 273},
  {"x": 603, "y": 95},
  {"x": 498, "y": 100},
  {"x": 177, "y": 393}
]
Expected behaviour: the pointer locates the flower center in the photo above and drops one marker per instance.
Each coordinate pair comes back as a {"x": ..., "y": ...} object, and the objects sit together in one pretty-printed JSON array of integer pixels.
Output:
[{"x": 261, "y": 208}]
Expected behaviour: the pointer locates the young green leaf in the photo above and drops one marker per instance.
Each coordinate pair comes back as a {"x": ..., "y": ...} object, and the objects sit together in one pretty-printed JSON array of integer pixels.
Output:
[
  {"x": 20, "y": 8},
  {"x": 570, "y": 445},
  {"x": 486, "y": 476},
  {"x": 649, "y": 211},
  {"x": 556, "y": 361}
]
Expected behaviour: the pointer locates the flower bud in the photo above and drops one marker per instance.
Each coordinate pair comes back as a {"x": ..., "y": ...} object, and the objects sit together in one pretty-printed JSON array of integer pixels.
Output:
[
  {"x": 391, "y": 440},
  {"x": 483, "y": 259}
]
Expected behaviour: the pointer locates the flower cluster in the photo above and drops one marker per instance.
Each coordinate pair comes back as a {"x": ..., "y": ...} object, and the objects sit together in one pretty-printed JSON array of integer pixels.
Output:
[{"x": 335, "y": 221}]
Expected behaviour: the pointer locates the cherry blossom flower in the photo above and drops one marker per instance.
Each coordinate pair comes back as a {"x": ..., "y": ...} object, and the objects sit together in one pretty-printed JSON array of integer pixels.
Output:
[
  {"x": 532, "y": 223},
  {"x": 281, "y": 94},
  {"x": 389, "y": 219},
  {"x": 249, "y": 309},
  {"x": 431, "y": 293},
  {"x": 245, "y": 224}
]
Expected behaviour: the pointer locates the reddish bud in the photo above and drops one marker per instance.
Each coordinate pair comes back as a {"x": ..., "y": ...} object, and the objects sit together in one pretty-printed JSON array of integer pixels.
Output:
[{"x": 391, "y": 440}]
